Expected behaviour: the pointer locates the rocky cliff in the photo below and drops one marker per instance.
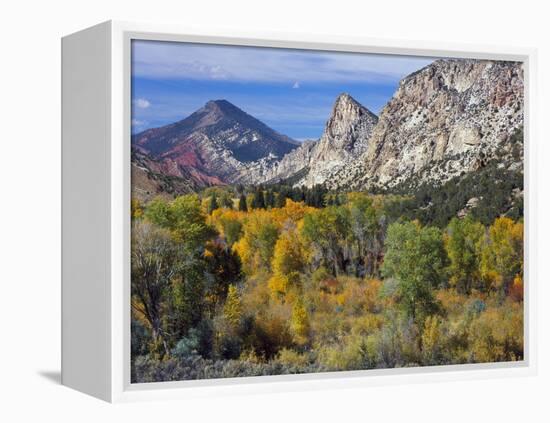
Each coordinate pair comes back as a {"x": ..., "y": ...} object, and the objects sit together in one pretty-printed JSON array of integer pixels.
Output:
[
  {"x": 345, "y": 138},
  {"x": 446, "y": 119}
]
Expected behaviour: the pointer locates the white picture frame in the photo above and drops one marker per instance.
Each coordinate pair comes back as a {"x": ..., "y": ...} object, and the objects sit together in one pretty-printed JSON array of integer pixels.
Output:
[{"x": 96, "y": 214}]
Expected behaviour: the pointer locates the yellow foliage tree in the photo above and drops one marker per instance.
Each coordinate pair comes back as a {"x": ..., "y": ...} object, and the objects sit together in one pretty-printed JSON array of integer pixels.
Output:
[
  {"x": 232, "y": 310},
  {"x": 431, "y": 339},
  {"x": 136, "y": 209},
  {"x": 288, "y": 255},
  {"x": 288, "y": 261},
  {"x": 299, "y": 323},
  {"x": 256, "y": 246},
  {"x": 502, "y": 256},
  {"x": 291, "y": 212}
]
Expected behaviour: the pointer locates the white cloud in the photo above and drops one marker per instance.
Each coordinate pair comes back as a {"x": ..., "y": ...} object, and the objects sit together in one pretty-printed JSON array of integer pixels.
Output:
[
  {"x": 296, "y": 85},
  {"x": 137, "y": 122},
  {"x": 142, "y": 103},
  {"x": 170, "y": 60}
]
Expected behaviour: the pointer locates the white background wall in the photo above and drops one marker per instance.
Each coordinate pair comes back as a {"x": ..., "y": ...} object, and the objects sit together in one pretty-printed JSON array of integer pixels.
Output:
[{"x": 30, "y": 207}]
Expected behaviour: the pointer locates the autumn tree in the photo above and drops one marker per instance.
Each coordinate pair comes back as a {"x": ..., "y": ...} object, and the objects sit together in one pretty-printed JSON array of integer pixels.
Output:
[
  {"x": 432, "y": 341},
  {"x": 463, "y": 242},
  {"x": 288, "y": 261},
  {"x": 299, "y": 322},
  {"x": 288, "y": 254},
  {"x": 516, "y": 289},
  {"x": 502, "y": 257},
  {"x": 232, "y": 310},
  {"x": 256, "y": 246},
  {"x": 136, "y": 209}
]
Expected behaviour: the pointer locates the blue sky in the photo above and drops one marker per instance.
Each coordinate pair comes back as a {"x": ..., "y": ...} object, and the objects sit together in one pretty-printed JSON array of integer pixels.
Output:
[{"x": 292, "y": 91}]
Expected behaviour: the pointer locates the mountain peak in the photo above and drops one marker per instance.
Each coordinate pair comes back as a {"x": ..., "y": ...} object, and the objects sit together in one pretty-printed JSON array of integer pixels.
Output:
[
  {"x": 345, "y": 138},
  {"x": 347, "y": 114},
  {"x": 345, "y": 97},
  {"x": 223, "y": 108},
  {"x": 216, "y": 140},
  {"x": 345, "y": 104},
  {"x": 220, "y": 104}
]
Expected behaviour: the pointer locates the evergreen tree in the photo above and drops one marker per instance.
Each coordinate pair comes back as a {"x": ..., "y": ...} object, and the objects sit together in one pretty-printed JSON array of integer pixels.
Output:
[
  {"x": 281, "y": 197},
  {"x": 270, "y": 199},
  {"x": 213, "y": 205},
  {"x": 259, "y": 201},
  {"x": 242, "y": 203},
  {"x": 227, "y": 200}
]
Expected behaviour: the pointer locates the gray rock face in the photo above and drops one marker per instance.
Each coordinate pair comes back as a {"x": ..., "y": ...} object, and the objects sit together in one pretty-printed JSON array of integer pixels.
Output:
[
  {"x": 272, "y": 169},
  {"x": 449, "y": 117},
  {"x": 344, "y": 139}
]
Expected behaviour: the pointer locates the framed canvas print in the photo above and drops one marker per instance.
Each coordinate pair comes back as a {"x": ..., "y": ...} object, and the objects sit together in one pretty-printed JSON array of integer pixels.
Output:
[{"x": 272, "y": 212}]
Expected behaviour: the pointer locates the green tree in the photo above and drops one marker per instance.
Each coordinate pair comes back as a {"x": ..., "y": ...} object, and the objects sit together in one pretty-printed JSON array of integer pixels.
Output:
[
  {"x": 463, "y": 242},
  {"x": 154, "y": 264},
  {"x": 242, "y": 203},
  {"x": 368, "y": 233},
  {"x": 188, "y": 293},
  {"x": 158, "y": 212},
  {"x": 328, "y": 231},
  {"x": 267, "y": 236},
  {"x": 232, "y": 230},
  {"x": 223, "y": 268},
  {"x": 258, "y": 201},
  {"x": 416, "y": 258},
  {"x": 213, "y": 204},
  {"x": 184, "y": 217},
  {"x": 270, "y": 199},
  {"x": 280, "y": 200},
  {"x": 227, "y": 200}
]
